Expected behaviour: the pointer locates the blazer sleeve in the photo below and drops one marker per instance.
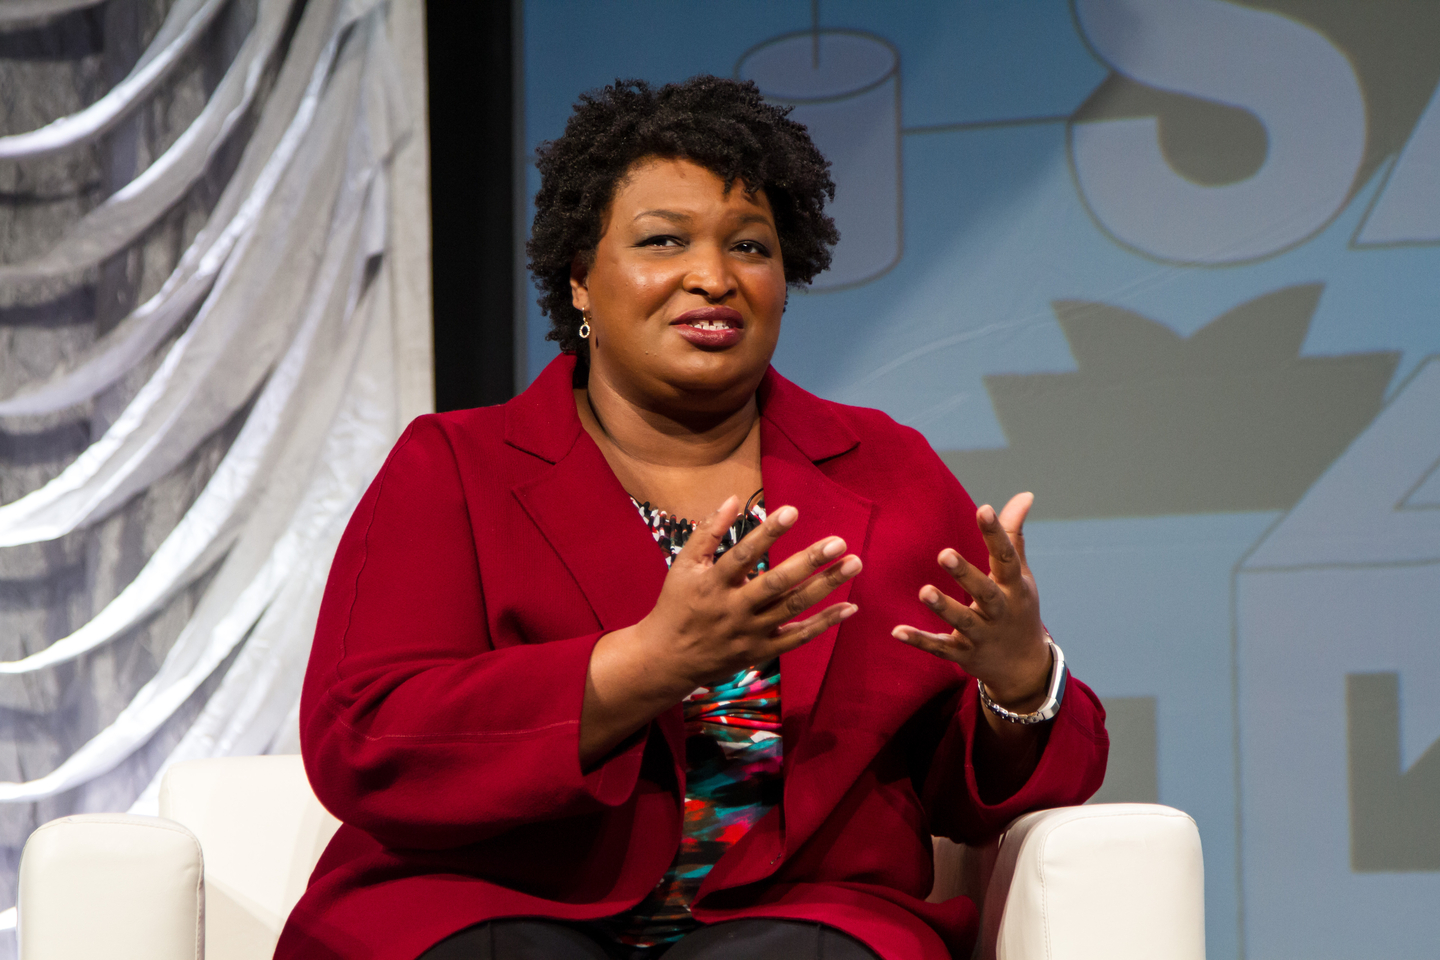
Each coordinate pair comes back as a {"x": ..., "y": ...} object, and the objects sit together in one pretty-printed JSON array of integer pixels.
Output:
[{"x": 414, "y": 727}]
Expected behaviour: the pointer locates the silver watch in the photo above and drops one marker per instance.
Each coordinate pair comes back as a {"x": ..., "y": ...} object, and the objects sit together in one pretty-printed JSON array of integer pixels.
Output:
[{"x": 1053, "y": 695}]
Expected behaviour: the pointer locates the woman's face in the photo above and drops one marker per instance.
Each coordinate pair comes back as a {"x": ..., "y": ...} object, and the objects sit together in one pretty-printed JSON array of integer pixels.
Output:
[{"x": 686, "y": 289}]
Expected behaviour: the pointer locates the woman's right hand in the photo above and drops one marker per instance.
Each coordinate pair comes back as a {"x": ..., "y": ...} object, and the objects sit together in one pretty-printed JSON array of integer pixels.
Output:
[{"x": 711, "y": 621}]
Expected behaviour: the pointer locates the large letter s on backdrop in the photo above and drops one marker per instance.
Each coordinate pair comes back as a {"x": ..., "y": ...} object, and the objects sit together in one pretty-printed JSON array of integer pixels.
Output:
[{"x": 1301, "y": 88}]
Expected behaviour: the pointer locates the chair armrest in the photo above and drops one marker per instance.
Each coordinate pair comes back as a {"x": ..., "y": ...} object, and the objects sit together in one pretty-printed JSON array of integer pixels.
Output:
[
  {"x": 112, "y": 885},
  {"x": 1118, "y": 881}
]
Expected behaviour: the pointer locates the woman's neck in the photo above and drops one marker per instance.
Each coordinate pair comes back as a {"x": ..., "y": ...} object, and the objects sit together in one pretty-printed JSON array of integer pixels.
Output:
[{"x": 684, "y": 462}]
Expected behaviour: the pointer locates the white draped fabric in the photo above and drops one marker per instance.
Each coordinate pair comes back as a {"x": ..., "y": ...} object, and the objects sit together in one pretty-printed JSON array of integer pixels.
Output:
[
  {"x": 182, "y": 28},
  {"x": 245, "y": 403}
]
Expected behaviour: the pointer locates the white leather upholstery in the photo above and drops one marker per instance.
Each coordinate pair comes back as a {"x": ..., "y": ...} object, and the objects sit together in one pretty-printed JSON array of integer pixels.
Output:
[
  {"x": 1122, "y": 881},
  {"x": 112, "y": 885},
  {"x": 1111, "y": 881},
  {"x": 262, "y": 831}
]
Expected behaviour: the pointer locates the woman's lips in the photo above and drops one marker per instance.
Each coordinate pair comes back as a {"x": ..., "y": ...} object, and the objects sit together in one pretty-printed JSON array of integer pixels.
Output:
[{"x": 710, "y": 328}]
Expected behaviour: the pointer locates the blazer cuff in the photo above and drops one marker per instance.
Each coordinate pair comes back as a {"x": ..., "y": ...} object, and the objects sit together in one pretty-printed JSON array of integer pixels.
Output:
[{"x": 1070, "y": 770}]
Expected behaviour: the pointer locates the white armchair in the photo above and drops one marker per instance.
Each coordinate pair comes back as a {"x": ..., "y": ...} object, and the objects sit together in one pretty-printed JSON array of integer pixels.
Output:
[{"x": 216, "y": 874}]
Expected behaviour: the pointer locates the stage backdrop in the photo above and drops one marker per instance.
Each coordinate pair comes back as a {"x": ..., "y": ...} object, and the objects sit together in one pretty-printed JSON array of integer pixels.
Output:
[
  {"x": 214, "y": 322},
  {"x": 1174, "y": 265}
]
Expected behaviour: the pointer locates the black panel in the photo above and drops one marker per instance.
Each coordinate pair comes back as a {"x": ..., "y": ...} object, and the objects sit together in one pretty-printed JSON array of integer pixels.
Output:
[{"x": 471, "y": 107}]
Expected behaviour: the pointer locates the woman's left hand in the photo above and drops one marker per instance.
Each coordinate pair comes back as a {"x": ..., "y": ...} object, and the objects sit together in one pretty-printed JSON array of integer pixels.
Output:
[{"x": 999, "y": 637}]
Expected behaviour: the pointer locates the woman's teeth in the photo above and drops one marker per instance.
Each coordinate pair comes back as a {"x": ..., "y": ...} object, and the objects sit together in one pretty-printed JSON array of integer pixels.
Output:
[{"x": 710, "y": 325}]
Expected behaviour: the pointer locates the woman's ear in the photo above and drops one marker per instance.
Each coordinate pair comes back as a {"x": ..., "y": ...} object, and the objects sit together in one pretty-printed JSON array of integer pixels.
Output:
[{"x": 579, "y": 274}]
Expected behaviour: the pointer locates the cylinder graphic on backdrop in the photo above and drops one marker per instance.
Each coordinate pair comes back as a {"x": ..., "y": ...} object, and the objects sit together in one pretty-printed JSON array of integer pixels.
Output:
[{"x": 844, "y": 87}]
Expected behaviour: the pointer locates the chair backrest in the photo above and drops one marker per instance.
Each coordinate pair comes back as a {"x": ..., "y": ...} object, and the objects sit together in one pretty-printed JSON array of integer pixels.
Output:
[{"x": 262, "y": 831}]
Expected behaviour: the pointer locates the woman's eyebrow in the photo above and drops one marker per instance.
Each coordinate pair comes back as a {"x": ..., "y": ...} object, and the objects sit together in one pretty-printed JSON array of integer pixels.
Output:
[
  {"x": 675, "y": 216},
  {"x": 671, "y": 215}
]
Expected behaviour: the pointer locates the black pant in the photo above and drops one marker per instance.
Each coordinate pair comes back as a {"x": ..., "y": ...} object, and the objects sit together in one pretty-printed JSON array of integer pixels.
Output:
[{"x": 760, "y": 939}]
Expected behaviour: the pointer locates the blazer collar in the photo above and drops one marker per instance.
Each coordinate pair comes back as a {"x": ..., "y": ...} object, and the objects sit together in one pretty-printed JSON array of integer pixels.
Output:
[
  {"x": 542, "y": 419},
  {"x": 810, "y": 423}
]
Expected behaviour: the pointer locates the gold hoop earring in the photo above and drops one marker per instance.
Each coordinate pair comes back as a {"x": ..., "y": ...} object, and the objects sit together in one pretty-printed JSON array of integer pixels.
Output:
[{"x": 584, "y": 324}]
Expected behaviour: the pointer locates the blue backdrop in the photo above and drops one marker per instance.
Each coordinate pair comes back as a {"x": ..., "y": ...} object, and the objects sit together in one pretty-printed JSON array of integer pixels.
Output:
[{"x": 1175, "y": 266}]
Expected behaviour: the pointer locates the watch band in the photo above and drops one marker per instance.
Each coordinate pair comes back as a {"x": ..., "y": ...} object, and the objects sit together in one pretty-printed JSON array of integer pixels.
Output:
[{"x": 1053, "y": 696}]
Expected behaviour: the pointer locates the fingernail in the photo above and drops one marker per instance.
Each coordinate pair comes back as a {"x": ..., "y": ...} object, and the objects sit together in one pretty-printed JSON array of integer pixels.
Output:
[
  {"x": 930, "y": 595},
  {"x": 901, "y": 634},
  {"x": 849, "y": 611},
  {"x": 786, "y": 516},
  {"x": 833, "y": 548},
  {"x": 850, "y": 567},
  {"x": 949, "y": 559}
]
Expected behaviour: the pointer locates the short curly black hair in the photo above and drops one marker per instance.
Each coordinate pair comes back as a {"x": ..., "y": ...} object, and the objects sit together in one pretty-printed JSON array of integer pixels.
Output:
[{"x": 722, "y": 125}]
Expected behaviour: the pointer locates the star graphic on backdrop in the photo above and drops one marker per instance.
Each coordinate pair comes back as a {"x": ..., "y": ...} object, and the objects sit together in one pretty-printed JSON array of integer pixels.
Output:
[{"x": 1230, "y": 419}]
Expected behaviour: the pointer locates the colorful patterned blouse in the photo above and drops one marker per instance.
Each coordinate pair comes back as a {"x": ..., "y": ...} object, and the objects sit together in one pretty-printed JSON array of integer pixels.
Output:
[{"x": 732, "y": 759}]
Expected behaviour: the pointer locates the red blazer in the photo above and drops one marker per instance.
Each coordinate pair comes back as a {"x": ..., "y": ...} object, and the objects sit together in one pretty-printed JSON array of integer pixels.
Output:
[{"x": 441, "y": 708}]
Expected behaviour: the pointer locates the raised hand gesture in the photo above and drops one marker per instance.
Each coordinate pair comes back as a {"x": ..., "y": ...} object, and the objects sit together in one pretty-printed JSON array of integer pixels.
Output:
[
  {"x": 999, "y": 637},
  {"x": 712, "y": 619}
]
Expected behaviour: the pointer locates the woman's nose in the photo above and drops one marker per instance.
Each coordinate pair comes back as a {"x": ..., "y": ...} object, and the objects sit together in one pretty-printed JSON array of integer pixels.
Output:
[{"x": 709, "y": 274}]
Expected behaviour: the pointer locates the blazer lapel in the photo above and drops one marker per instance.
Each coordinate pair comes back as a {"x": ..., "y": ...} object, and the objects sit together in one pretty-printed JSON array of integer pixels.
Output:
[
  {"x": 798, "y": 431},
  {"x": 579, "y": 505},
  {"x": 586, "y": 515},
  {"x": 826, "y": 509},
  {"x": 589, "y": 520}
]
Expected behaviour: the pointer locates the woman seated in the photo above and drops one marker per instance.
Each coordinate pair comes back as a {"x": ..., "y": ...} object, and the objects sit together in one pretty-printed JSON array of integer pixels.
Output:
[{"x": 598, "y": 672}]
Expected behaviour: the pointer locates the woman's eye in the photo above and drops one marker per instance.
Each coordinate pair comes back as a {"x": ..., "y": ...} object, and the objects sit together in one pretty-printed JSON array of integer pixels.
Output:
[
  {"x": 753, "y": 246},
  {"x": 660, "y": 240}
]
